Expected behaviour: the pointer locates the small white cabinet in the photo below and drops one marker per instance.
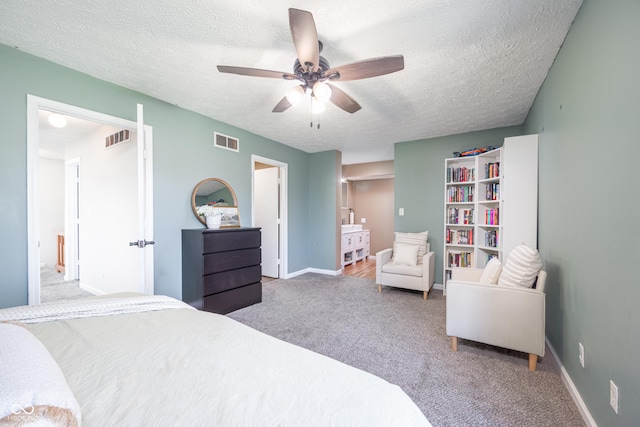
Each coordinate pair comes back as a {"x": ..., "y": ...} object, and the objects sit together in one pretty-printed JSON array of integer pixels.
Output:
[{"x": 355, "y": 246}]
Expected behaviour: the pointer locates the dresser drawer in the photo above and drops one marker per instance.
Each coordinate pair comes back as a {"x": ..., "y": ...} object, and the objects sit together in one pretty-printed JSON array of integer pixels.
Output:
[
  {"x": 222, "y": 240},
  {"x": 231, "y": 260},
  {"x": 233, "y": 299},
  {"x": 219, "y": 282}
]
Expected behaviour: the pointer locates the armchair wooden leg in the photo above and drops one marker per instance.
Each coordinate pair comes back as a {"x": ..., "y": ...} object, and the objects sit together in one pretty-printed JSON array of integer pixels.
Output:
[
  {"x": 379, "y": 289},
  {"x": 533, "y": 360},
  {"x": 425, "y": 294},
  {"x": 454, "y": 344}
]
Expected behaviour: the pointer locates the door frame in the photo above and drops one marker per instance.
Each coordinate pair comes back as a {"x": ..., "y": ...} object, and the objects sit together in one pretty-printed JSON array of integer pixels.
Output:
[
  {"x": 71, "y": 246},
  {"x": 34, "y": 104},
  {"x": 284, "y": 222}
]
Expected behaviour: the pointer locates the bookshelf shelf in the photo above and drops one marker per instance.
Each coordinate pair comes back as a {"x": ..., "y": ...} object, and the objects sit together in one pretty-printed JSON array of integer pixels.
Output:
[{"x": 480, "y": 223}]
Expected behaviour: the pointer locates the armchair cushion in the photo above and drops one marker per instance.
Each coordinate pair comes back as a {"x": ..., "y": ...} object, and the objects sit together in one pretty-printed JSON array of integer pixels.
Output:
[
  {"x": 406, "y": 254},
  {"x": 402, "y": 269},
  {"x": 521, "y": 268},
  {"x": 419, "y": 239},
  {"x": 491, "y": 272}
]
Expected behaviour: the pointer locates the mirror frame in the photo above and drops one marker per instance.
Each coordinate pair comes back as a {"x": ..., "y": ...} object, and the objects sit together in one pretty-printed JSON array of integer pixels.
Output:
[{"x": 195, "y": 190}]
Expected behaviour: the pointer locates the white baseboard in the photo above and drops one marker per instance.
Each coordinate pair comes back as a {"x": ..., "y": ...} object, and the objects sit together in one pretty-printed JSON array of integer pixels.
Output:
[
  {"x": 313, "y": 270},
  {"x": 438, "y": 286},
  {"x": 573, "y": 391},
  {"x": 91, "y": 289}
]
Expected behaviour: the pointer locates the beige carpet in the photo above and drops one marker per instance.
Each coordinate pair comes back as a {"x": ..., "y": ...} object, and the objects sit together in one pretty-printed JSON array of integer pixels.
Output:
[
  {"x": 53, "y": 287},
  {"x": 401, "y": 338}
]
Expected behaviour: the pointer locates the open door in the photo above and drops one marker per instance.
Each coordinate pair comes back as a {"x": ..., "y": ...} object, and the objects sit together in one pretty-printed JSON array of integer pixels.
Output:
[
  {"x": 267, "y": 217},
  {"x": 144, "y": 236},
  {"x": 136, "y": 208},
  {"x": 270, "y": 213}
]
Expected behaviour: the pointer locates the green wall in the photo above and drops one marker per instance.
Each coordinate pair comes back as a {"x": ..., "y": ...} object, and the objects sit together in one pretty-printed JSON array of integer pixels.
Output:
[
  {"x": 588, "y": 117},
  {"x": 322, "y": 209},
  {"x": 419, "y": 181},
  {"x": 183, "y": 155}
]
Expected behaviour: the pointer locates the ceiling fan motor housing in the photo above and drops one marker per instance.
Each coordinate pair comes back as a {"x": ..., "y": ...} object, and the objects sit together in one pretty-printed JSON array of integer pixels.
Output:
[{"x": 311, "y": 77}]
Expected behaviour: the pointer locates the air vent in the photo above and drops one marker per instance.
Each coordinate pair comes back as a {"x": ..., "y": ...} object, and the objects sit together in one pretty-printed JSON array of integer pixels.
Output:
[
  {"x": 116, "y": 138},
  {"x": 228, "y": 142}
]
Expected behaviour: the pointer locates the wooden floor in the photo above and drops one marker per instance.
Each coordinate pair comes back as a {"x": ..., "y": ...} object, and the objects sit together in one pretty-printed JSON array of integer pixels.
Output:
[{"x": 366, "y": 269}]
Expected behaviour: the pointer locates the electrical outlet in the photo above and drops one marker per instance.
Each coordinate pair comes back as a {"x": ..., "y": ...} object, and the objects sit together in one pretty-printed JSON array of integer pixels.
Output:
[
  {"x": 581, "y": 354},
  {"x": 363, "y": 220},
  {"x": 401, "y": 211},
  {"x": 613, "y": 396}
]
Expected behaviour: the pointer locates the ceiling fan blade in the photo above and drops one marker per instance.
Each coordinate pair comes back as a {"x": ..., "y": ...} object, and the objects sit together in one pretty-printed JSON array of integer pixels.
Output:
[
  {"x": 255, "y": 72},
  {"x": 281, "y": 106},
  {"x": 305, "y": 37},
  {"x": 368, "y": 68},
  {"x": 342, "y": 100}
]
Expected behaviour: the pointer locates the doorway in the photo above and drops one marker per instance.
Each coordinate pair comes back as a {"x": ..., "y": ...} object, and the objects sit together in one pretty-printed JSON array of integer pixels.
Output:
[
  {"x": 102, "y": 208},
  {"x": 269, "y": 195}
]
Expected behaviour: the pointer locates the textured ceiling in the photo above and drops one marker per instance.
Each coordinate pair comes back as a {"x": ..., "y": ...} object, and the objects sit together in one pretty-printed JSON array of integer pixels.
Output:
[{"x": 469, "y": 64}]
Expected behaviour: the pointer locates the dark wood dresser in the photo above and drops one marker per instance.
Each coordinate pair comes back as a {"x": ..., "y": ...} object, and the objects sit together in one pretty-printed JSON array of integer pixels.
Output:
[{"x": 221, "y": 269}]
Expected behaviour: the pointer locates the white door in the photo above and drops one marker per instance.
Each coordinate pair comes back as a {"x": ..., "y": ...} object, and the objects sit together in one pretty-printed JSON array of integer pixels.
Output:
[
  {"x": 122, "y": 215},
  {"x": 267, "y": 196}
]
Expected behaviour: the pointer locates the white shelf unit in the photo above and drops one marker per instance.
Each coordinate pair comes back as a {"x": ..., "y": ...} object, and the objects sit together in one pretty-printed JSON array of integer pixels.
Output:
[{"x": 490, "y": 204}]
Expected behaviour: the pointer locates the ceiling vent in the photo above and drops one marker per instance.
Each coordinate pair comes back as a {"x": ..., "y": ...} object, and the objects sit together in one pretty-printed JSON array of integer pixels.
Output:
[{"x": 228, "y": 142}]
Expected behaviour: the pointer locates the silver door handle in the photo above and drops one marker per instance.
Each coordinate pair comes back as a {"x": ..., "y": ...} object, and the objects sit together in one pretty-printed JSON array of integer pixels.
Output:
[{"x": 142, "y": 243}]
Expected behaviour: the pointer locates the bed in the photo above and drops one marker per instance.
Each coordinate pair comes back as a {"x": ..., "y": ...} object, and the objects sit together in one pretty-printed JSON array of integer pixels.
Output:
[{"x": 142, "y": 360}]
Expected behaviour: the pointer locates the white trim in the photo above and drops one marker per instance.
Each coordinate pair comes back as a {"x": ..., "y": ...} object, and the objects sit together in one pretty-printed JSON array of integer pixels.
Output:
[
  {"x": 438, "y": 286},
  {"x": 33, "y": 203},
  {"x": 72, "y": 166},
  {"x": 34, "y": 103},
  {"x": 149, "y": 252},
  {"x": 283, "y": 254},
  {"x": 90, "y": 289},
  {"x": 573, "y": 391},
  {"x": 313, "y": 270}
]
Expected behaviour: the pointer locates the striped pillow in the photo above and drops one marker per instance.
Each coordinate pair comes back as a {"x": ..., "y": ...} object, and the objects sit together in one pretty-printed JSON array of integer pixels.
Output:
[
  {"x": 521, "y": 268},
  {"x": 419, "y": 239}
]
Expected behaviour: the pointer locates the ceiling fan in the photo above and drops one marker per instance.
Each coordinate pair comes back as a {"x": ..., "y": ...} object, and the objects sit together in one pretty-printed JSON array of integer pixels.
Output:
[{"x": 313, "y": 71}]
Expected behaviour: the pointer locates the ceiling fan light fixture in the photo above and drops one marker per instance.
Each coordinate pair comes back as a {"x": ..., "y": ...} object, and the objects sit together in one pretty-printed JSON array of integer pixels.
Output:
[
  {"x": 57, "y": 120},
  {"x": 295, "y": 95},
  {"x": 322, "y": 91}
]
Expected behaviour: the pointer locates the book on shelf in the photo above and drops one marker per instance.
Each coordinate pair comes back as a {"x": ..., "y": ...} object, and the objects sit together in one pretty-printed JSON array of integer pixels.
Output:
[
  {"x": 491, "y": 238},
  {"x": 458, "y": 194},
  {"x": 492, "y": 216},
  {"x": 460, "y": 216},
  {"x": 459, "y": 259},
  {"x": 459, "y": 237},
  {"x": 492, "y": 191},
  {"x": 461, "y": 174},
  {"x": 492, "y": 170}
]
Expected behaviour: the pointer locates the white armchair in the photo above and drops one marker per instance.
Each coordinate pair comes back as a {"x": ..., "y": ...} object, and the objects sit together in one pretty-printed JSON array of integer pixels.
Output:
[
  {"x": 419, "y": 276},
  {"x": 511, "y": 317}
]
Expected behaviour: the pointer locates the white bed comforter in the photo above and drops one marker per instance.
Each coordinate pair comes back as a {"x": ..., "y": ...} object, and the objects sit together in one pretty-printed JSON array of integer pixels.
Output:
[{"x": 185, "y": 367}]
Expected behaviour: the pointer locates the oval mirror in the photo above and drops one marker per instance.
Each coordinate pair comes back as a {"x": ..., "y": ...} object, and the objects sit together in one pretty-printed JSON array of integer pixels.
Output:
[{"x": 211, "y": 192}]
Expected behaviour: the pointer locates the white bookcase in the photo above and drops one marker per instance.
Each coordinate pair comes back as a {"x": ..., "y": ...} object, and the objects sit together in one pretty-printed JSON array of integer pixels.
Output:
[{"x": 490, "y": 204}]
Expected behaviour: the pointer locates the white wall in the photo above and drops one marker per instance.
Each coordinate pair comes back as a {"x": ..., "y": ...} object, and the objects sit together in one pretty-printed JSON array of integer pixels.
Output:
[
  {"x": 108, "y": 206},
  {"x": 51, "y": 188}
]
